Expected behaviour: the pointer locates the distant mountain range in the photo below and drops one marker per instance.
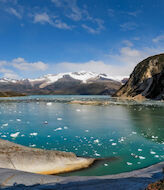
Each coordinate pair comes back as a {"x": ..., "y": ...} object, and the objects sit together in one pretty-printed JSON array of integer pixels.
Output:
[
  {"x": 146, "y": 81},
  {"x": 76, "y": 83}
]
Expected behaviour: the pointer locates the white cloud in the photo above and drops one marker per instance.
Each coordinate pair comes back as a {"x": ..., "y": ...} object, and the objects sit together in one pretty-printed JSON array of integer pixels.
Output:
[
  {"x": 128, "y": 26},
  {"x": 158, "y": 38},
  {"x": 11, "y": 76},
  {"x": 8, "y": 73},
  {"x": 128, "y": 43},
  {"x": 23, "y": 65},
  {"x": 96, "y": 30},
  {"x": 111, "y": 12},
  {"x": 42, "y": 18},
  {"x": 45, "y": 18},
  {"x": 14, "y": 12},
  {"x": 71, "y": 9},
  {"x": 120, "y": 64}
]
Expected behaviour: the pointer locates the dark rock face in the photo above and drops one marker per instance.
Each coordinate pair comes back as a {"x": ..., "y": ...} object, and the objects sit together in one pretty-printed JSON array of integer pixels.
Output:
[{"x": 147, "y": 80}]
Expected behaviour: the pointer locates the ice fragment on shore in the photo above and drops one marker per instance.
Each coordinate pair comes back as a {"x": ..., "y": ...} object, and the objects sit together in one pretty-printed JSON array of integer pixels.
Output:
[
  {"x": 59, "y": 119},
  {"x": 14, "y": 135}
]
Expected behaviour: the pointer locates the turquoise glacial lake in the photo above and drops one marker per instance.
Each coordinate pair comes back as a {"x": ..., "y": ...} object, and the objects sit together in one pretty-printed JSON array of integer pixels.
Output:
[{"x": 131, "y": 131}]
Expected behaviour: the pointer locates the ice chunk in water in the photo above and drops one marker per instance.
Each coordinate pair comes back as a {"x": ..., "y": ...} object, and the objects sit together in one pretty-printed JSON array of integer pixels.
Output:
[
  {"x": 33, "y": 134},
  {"x": 49, "y": 103}
]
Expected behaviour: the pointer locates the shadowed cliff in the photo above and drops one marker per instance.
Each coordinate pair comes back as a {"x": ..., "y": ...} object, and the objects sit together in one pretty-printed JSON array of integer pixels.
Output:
[{"x": 146, "y": 81}]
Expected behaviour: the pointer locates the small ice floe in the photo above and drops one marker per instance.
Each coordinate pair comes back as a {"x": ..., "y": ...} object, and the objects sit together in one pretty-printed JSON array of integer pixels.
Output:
[
  {"x": 154, "y": 137},
  {"x": 140, "y": 150},
  {"x": 87, "y": 131},
  {"x": 48, "y": 136},
  {"x": 142, "y": 157},
  {"x": 134, "y": 155},
  {"x": 121, "y": 139},
  {"x": 59, "y": 119},
  {"x": 138, "y": 162},
  {"x": 78, "y": 110},
  {"x": 14, "y": 135},
  {"x": 114, "y": 144},
  {"x": 156, "y": 156},
  {"x": 45, "y": 122},
  {"x": 4, "y": 136},
  {"x": 152, "y": 152},
  {"x": 58, "y": 129},
  {"x": 110, "y": 140},
  {"x": 129, "y": 163},
  {"x": 65, "y": 127},
  {"x": 5, "y": 125},
  {"x": 18, "y": 120},
  {"x": 65, "y": 139},
  {"x": 22, "y": 135},
  {"x": 134, "y": 133},
  {"x": 105, "y": 164},
  {"x": 96, "y": 154},
  {"x": 33, "y": 134},
  {"x": 49, "y": 103},
  {"x": 96, "y": 141}
]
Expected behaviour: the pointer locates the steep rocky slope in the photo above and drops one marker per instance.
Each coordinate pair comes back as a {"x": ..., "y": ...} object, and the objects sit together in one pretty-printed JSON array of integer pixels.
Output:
[{"x": 146, "y": 81}]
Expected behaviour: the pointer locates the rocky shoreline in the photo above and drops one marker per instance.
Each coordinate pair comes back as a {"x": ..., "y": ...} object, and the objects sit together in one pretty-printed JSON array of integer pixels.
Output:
[
  {"x": 138, "y": 180},
  {"x": 21, "y": 168}
]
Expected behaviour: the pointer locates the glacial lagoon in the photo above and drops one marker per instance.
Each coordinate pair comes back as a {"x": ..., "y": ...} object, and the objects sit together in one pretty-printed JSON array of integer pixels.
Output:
[{"x": 132, "y": 131}]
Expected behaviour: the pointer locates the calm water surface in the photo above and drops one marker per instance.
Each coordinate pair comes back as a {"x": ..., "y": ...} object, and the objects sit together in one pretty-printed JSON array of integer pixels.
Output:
[{"x": 132, "y": 131}]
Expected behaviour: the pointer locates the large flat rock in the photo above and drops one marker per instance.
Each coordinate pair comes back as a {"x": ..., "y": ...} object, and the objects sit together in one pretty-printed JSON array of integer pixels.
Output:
[
  {"x": 14, "y": 156},
  {"x": 137, "y": 180}
]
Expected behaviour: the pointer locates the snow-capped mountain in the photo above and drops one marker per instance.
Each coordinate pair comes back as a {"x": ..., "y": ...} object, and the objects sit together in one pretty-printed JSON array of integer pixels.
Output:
[{"x": 63, "y": 83}]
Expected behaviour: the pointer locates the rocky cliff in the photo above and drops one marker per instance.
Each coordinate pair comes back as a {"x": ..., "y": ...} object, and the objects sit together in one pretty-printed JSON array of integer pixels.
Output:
[{"x": 146, "y": 81}]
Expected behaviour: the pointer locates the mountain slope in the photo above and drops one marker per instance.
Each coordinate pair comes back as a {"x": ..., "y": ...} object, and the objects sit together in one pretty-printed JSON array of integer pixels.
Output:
[
  {"x": 78, "y": 83},
  {"x": 146, "y": 81}
]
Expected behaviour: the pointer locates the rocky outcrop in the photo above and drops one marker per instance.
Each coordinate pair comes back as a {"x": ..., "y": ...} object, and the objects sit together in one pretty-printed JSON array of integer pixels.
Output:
[
  {"x": 159, "y": 185},
  {"x": 146, "y": 81},
  {"x": 10, "y": 94},
  {"x": 14, "y": 156}
]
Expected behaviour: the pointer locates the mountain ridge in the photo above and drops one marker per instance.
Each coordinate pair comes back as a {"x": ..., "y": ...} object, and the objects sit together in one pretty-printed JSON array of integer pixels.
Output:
[{"x": 78, "y": 83}]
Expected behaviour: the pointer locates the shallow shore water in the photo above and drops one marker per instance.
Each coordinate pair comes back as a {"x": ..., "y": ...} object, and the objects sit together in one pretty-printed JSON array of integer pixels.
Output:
[{"x": 130, "y": 130}]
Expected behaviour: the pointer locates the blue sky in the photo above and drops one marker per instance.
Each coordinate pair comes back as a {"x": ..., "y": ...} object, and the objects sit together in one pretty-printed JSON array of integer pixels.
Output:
[{"x": 38, "y": 37}]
